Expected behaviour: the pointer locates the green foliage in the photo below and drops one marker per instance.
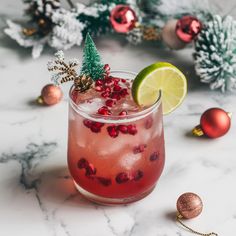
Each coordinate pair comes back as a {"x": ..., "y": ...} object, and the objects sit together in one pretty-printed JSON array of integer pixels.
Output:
[
  {"x": 99, "y": 24},
  {"x": 95, "y": 25},
  {"x": 113, "y": 1},
  {"x": 92, "y": 65}
]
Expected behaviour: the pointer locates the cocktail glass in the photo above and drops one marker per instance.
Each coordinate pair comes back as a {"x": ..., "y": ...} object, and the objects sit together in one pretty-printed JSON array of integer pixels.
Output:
[{"x": 116, "y": 169}]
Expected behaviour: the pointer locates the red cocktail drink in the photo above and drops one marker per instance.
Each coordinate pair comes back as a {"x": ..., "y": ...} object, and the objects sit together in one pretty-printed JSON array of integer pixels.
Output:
[{"x": 115, "y": 148}]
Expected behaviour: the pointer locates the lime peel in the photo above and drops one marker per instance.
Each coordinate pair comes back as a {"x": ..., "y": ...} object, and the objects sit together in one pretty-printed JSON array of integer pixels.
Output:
[{"x": 160, "y": 76}]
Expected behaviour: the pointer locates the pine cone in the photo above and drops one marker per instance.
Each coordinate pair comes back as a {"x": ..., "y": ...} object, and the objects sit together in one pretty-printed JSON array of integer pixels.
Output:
[
  {"x": 41, "y": 12},
  {"x": 83, "y": 83},
  {"x": 215, "y": 53},
  {"x": 151, "y": 34}
]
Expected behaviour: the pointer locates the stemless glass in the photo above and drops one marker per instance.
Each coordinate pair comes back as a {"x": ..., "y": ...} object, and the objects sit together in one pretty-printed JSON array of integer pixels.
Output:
[{"x": 116, "y": 170}]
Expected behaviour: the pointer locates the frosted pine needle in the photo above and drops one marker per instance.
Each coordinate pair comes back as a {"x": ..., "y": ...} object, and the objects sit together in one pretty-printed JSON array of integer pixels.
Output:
[
  {"x": 63, "y": 72},
  {"x": 215, "y": 53}
]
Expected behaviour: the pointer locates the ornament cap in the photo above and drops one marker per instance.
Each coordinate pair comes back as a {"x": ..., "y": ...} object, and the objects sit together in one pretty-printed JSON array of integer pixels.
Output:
[
  {"x": 179, "y": 216},
  {"x": 197, "y": 131},
  {"x": 40, "y": 100},
  {"x": 230, "y": 114}
]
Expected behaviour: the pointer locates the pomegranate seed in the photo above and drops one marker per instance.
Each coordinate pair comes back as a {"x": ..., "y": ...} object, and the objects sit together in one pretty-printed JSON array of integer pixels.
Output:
[
  {"x": 138, "y": 175},
  {"x": 98, "y": 124},
  {"x": 87, "y": 123},
  {"x": 107, "y": 89},
  {"x": 117, "y": 88},
  {"x": 98, "y": 88},
  {"x": 108, "y": 81},
  {"x": 132, "y": 129},
  {"x": 99, "y": 82},
  {"x": 148, "y": 123},
  {"x": 123, "y": 129},
  {"x": 113, "y": 131},
  {"x": 139, "y": 149},
  {"x": 104, "y": 111},
  {"x": 123, "y": 92},
  {"x": 74, "y": 95},
  {"x": 154, "y": 156},
  {"x": 104, "y": 181},
  {"x": 95, "y": 129},
  {"x": 105, "y": 76},
  {"x": 110, "y": 103},
  {"x": 107, "y": 69},
  {"x": 105, "y": 94},
  {"x": 123, "y": 113},
  {"x": 123, "y": 80},
  {"x": 122, "y": 178},
  {"x": 90, "y": 170},
  {"x": 82, "y": 163},
  {"x": 116, "y": 81},
  {"x": 115, "y": 95}
]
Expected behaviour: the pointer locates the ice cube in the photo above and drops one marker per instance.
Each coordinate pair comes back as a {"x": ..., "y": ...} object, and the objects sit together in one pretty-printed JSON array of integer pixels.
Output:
[{"x": 90, "y": 106}]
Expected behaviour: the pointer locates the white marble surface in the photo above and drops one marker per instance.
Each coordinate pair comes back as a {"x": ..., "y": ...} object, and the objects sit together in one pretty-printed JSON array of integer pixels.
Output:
[{"x": 37, "y": 196}]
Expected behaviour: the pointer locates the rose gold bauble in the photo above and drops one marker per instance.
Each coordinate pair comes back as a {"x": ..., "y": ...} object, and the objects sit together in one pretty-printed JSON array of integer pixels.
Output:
[
  {"x": 189, "y": 205},
  {"x": 123, "y": 19},
  {"x": 50, "y": 95},
  {"x": 187, "y": 28},
  {"x": 169, "y": 36}
]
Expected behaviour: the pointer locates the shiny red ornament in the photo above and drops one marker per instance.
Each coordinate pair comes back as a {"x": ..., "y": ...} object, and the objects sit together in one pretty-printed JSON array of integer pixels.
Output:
[
  {"x": 214, "y": 123},
  {"x": 50, "y": 95},
  {"x": 123, "y": 18},
  {"x": 187, "y": 28}
]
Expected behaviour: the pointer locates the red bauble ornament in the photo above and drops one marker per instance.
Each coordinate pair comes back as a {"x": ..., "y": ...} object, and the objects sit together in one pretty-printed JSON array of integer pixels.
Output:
[
  {"x": 50, "y": 95},
  {"x": 123, "y": 19},
  {"x": 187, "y": 28},
  {"x": 189, "y": 205},
  {"x": 214, "y": 123}
]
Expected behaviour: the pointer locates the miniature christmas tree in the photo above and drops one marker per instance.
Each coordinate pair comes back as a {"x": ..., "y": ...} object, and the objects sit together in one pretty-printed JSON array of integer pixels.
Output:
[{"x": 92, "y": 65}]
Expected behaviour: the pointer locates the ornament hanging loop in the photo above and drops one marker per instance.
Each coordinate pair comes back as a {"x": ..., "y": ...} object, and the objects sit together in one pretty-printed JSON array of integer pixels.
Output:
[{"x": 179, "y": 217}]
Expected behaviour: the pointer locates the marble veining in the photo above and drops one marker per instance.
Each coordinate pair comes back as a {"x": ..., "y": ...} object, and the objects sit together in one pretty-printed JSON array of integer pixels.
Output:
[
  {"x": 28, "y": 161},
  {"x": 37, "y": 195}
]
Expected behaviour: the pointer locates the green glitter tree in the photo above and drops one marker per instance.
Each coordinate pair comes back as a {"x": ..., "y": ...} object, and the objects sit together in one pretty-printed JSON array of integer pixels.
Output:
[{"x": 92, "y": 65}]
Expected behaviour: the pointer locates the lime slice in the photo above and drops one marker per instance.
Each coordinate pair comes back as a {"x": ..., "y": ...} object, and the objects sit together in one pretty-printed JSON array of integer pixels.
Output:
[{"x": 164, "y": 77}]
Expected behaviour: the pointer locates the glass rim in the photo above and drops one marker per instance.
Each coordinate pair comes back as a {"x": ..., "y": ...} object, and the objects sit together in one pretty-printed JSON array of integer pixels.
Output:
[{"x": 116, "y": 118}]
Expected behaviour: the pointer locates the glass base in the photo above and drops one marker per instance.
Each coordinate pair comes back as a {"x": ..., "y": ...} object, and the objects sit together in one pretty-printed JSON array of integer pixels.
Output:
[{"x": 111, "y": 201}]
